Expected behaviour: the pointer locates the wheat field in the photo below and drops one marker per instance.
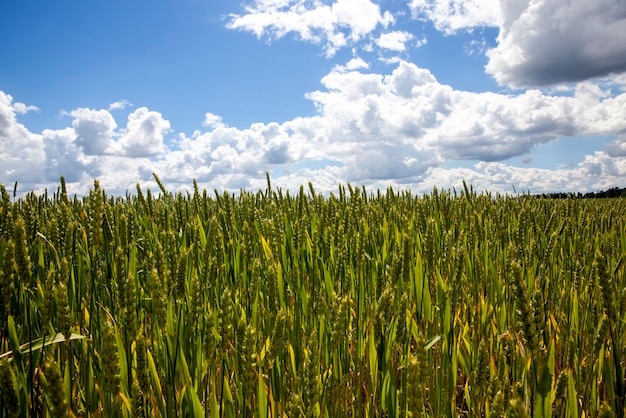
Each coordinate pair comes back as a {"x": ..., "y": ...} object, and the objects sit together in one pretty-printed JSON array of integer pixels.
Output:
[{"x": 276, "y": 304}]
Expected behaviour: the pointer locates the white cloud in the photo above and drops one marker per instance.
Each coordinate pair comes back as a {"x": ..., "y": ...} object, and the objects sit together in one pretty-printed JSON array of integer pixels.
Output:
[
  {"x": 143, "y": 136},
  {"x": 213, "y": 121},
  {"x": 600, "y": 164},
  {"x": 499, "y": 127},
  {"x": 543, "y": 42},
  {"x": 21, "y": 108},
  {"x": 617, "y": 148},
  {"x": 394, "y": 41},
  {"x": 276, "y": 149},
  {"x": 540, "y": 42},
  {"x": 226, "y": 153},
  {"x": 21, "y": 151},
  {"x": 94, "y": 130},
  {"x": 475, "y": 46},
  {"x": 450, "y": 16},
  {"x": 120, "y": 105},
  {"x": 356, "y": 64},
  {"x": 88, "y": 149},
  {"x": 503, "y": 178},
  {"x": 390, "y": 162},
  {"x": 400, "y": 128},
  {"x": 407, "y": 76},
  {"x": 334, "y": 25},
  {"x": 408, "y": 116},
  {"x": 421, "y": 42},
  {"x": 65, "y": 158},
  {"x": 361, "y": 16}
]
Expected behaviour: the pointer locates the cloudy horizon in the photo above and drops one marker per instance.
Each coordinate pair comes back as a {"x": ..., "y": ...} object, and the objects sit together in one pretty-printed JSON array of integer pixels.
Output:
[{"x": 525, "y": 96}]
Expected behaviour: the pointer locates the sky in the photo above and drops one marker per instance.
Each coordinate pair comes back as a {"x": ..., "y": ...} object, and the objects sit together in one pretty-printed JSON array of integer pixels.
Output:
[{"x": 508, "y": 96}]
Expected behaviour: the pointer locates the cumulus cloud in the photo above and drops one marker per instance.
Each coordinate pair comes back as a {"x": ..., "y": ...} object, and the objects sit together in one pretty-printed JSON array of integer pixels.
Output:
[
  {"x": 92, "y": 147},
  {"x": 213, "y": 121},
  {"x": 120, "y": 105},
  {"x": 600, "y": 164},
  {"x": 505, "y": 126},
  {"x": 63, "y": 157},
  {"x": 21, "y": 108},
  {"x": 543, "y": 42},
  {"x": 333, "y": 25},
  {"x": 450, "y": 16},
  {"x": 398, "y": 128},
  {"x": 21, "y": 151},
  {"x": 94, "y": 130},
  {"x": 276, "y": 140},
  {"x": 395, "y": 41},
  {"x": 496, "y": 177},
  {"x": 408, "y": 113},
  {"x": 617, "y": 148},
  {"x": 540, "y": 42},
  {"x": 421, "y": 42},
  {"x": 227, "y": 156},
  {"x": 390, "y": 162},
  {"x": 354, "y": 64},
  {"x": 143, "y": 136}
]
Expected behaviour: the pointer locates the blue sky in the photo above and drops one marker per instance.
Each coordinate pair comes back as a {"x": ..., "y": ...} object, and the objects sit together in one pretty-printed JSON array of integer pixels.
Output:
[{"x": 415, "y": 94}]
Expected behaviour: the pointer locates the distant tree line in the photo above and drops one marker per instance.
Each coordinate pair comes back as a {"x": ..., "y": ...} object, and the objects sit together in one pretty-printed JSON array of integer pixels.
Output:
[{"x": 612, "y": 192}]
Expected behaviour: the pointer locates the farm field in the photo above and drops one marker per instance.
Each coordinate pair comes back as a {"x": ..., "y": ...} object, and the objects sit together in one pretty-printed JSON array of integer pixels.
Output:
[{"x": 270, "y": 304}]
